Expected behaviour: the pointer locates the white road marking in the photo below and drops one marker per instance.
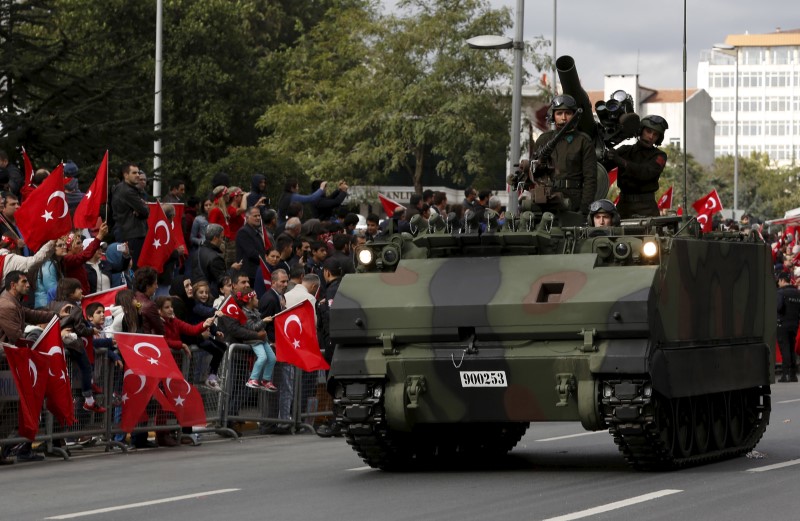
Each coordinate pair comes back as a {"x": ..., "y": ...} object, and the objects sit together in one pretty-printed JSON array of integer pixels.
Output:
[
  {"x": 145, "y": 503},
  {"x": 573, "y": 436},
  {"x": 357, "y": 469},
  {"x": 790, "y": 401},
  {"x": 614, "y": 506},
  {"x": 775, "y": 466}
]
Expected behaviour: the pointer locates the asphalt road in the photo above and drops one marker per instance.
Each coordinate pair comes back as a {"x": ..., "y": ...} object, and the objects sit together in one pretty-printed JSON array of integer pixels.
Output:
[{"x": 557, "y": 472}]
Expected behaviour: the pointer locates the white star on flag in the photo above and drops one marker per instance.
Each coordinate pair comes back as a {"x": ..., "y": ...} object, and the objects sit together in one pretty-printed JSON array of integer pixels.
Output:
[
  {"x": 179, "y": 401},
  {"x": 124, "y": 398},
  {"x": 89, "y": 194},
  {"x": 153, "y": 361},
  {"x": 157, "y": 243},
  {"x": 296, "y": 343},
  {"x": 47, "y": 215}
]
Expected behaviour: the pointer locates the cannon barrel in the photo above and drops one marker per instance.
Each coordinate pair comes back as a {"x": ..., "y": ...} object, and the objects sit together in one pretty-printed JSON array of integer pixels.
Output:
[{"x": 571, "y": 84}]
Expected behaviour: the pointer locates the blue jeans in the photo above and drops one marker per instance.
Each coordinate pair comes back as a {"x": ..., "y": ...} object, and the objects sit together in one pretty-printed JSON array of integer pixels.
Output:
[{"x": 265, "y": 362}]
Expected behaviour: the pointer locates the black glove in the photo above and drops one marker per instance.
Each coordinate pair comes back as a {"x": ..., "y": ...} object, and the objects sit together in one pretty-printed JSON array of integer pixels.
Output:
[{"x": 611, "y": 154}]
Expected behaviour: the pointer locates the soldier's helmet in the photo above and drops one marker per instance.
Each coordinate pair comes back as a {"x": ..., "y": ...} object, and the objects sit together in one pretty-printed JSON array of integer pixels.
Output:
[
  {"x": 603, "y": 205},
  {"x": 561, "y": 102},
  {"x": 656, "y": 123}
]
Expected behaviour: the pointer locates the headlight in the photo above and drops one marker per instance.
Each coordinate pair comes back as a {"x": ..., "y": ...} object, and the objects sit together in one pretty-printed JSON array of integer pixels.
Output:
[
  {"x": 622, "y": 251},
  {"x": 365, "y": 256},
  {"x": 650, "y": 249}
]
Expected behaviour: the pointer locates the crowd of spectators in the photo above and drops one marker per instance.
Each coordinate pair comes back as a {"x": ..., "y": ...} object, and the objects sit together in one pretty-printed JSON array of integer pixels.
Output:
[{"x": 240, "y": 245}]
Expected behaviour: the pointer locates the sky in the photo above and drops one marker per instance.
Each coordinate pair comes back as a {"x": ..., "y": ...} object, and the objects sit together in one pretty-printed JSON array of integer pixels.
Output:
[{"x": 627, "y": 37}]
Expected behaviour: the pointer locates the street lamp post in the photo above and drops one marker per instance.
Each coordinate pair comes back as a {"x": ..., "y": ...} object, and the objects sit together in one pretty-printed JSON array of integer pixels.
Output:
[
  {"x": 732, "y": 50},
  {"x": 517, "y": 44}
]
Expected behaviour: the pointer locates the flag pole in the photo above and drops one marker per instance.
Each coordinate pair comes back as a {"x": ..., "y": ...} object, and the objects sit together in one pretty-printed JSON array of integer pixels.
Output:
[{"x": 107, "y": 188}]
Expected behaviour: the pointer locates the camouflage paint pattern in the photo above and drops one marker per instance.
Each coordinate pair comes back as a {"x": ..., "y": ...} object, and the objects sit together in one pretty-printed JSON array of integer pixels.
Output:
[{"x": 697, "y": 318}]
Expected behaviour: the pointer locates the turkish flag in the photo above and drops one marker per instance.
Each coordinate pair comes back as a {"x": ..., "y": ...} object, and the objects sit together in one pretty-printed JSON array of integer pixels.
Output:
[
  {"x": 106, "y": 298},
  {"x": 59, "y": 389},
  {"x": 28, "y": 167},
  {"x": 147, "y": 355},
  {"x": 265, "y": 236},
  {"x": 88, "y": 210},
  {"x": 136, "y": 392},
  {"x": 177, "y": 231},
  {"x": 231, "y": 309},
  {"x": 389, "y": 206},
  {"x": 265, "y": 274},
  {"x": 183, "y": 399},
  {"x": 616, "y": 201},
  {"x": 665, "y": 201},
  {"x": 296, "y": 338},
  {"x": 710, "y": 204},
  {"x": 29, "y": 369},
  {"x": 705, "y": 221},
  {"x": 680, "y": 211},
  {"x": 39, "y": 218},
  {"x": 612, "y": 176},
  {"x": 159, "y": 242}
]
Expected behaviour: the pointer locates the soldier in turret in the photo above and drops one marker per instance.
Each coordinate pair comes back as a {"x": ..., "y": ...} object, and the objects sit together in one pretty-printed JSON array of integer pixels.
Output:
[
  {"x": 640, "y": 166},
  {"x": 788, "y": 320},
  {"x": 573, "y": 160}
]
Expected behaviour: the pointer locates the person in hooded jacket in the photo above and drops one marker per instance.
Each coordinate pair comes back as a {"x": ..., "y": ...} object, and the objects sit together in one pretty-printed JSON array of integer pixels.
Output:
[{"x": 257, "y": 196}]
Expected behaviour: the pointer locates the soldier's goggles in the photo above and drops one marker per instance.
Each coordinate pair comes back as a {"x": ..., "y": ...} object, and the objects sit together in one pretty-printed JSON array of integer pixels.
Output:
[{"x": 602, "y": 205}]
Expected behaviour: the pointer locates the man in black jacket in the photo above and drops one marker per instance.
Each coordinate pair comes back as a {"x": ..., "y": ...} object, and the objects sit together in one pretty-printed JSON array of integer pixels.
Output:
[
  {"x": 250, "y": 244},
  {"x": 130, "y": 212},
  {"x": 333, "y": 273},
  {"x": 788, "y": 320},
  {"x": 210, "y": 263}
]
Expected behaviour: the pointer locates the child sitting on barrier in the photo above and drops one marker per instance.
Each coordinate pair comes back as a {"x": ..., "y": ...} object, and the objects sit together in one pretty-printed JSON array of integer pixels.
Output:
[
  {"x": 69, "y": 294},
  {"x": 225, "y": 290},
  {"x": 253, "y": 334},
  {"x": 213, "y": 345},
  {"x": 96, "y": 318},
  {"x": 175, "y": 327}
]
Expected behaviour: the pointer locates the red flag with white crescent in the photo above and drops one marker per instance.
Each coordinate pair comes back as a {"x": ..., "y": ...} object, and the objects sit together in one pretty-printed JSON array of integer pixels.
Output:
[
  {"x": 59, "y": 389},
  {"x": 183, "y": 399},
  {"x": 665, "y": 201},
  {"x": 106, "y": 298},
  {"x": 136, "y": 392},
  {"x": 389, "y": 205},
  {"x": 296, "y": 338},
  {"x": 177, "y": 229},
  {"x": 44, "y": 215},
  {"x": 265, "y": 273},
  {"x": 232, "y": 310},
  {"x": 159, "y": 242},
  {"x": 147, "y": 355},
  {"x": 709, "y": 204},
  {"x": 88, "y": 211},
  {"x": 29, "y": 369}
]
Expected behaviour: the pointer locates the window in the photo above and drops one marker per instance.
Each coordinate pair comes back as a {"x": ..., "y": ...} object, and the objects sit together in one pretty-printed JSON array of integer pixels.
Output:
[
  {"x": 723, "y": 104},
  {"x": 751, "y": 55},
  {"x": 750, "y": 104},
  {"x": 778, "y": 103},
  {"x": 778, "y": 79},
  {"x": 751, "y": 79},
  {"x": 676, "y": 142},
  {"x": 780, "y": 55}
]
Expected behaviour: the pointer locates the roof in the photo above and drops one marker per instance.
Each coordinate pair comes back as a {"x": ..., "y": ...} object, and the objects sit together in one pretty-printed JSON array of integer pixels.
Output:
[{"x": 777, "y": 39}]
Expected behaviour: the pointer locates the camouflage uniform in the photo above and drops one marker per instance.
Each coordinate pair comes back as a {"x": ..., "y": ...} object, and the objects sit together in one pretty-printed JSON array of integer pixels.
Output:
[
  {"x": 640, "y": 166},
  {"x": 575, "y": 165}
]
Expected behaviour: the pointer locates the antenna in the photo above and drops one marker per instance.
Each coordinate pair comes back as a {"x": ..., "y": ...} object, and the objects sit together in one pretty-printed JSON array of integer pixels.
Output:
[{"x": 685, "y": 164}]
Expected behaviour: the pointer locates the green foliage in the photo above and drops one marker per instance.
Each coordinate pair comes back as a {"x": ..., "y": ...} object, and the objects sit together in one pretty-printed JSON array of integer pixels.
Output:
[{"x": 368, "y": 95}]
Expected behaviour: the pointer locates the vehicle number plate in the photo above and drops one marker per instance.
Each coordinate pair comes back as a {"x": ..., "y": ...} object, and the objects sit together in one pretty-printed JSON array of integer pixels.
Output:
[{"x": 483, "y": 379}]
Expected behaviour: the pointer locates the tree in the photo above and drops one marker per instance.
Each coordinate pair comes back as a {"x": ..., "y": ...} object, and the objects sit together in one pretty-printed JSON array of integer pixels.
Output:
[{"x": 369, "y": 95}]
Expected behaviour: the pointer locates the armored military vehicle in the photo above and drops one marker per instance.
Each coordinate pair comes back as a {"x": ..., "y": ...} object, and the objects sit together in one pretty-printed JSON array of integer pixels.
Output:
[
  {"x": 452, "y": 342},
  {"x": 452, "y": 339}
]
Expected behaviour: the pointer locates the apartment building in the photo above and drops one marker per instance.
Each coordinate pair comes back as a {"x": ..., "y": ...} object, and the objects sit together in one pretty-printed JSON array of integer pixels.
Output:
[{"x": 768, "y": 94}]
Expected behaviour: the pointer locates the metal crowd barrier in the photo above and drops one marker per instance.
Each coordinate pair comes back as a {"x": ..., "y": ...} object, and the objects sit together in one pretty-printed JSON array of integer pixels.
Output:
[{"x": 300, "y": 404}]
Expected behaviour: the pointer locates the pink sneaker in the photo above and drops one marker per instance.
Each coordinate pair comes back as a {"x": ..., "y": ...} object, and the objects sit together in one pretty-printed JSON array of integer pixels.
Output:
[
  {"x": 268, "y": 386},
  {"x": 252, "y": 384}
]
